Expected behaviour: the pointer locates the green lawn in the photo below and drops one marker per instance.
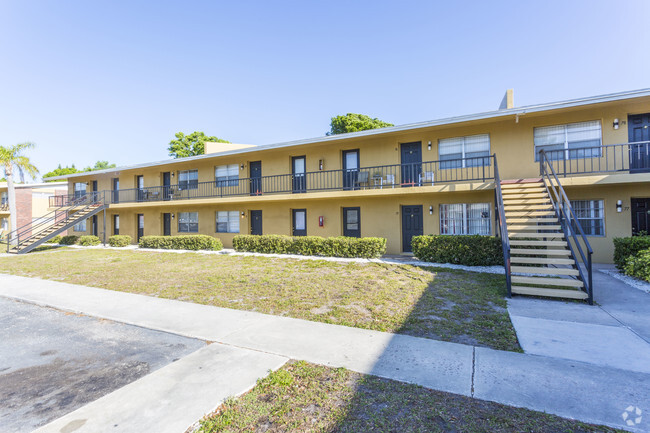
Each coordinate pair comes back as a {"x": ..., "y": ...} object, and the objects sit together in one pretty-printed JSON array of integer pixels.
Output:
[
  {"x": 458, "y": 306},
  {"x": 302, "y": 397}
]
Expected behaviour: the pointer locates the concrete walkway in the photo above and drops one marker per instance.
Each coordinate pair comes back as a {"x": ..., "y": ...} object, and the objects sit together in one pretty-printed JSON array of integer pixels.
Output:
[
  {"x": 614, "y": 333},
  {"x": 248, "y": 344}
]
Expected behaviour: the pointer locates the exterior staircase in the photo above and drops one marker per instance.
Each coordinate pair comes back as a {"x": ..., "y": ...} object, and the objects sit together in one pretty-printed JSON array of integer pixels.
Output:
[
  {"x": 69, "y": 213},
  {"x": 541, "y": 261}
]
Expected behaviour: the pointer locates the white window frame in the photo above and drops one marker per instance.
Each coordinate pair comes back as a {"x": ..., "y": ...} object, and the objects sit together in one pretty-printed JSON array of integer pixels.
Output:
[
  {"x": 188, "y": 179},
  {"x": 228, "y": 219},
  {"x": 80, "y": 226},
  {"x": 465, "y": 209},
  {"x": 4, "y": 198},
  {"x": 230, "y": 179},
  {"x": 80, "y": 189},
  {"x": 190, "y": 221},
  {"x": 568, "y": 152},
  {"x": 453, "y": 163},
  {"x": 594, "y": 206}
]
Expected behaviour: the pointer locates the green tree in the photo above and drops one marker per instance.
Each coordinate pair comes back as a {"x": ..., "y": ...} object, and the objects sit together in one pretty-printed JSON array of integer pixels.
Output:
[
  {"x": 100, "y": 165},
  {"x": 12, "y": 157},
  {"x": 353, "y": 122},
  {"x": 191, "y": 145},
  {"x": 60, "y": 171}
]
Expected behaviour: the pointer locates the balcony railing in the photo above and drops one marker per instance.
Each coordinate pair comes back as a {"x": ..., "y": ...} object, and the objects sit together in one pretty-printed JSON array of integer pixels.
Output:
[
  {"x": 379, "y": 177},
  {"x": 80, "y": 198},
  {"x": 611, "y": 158}
]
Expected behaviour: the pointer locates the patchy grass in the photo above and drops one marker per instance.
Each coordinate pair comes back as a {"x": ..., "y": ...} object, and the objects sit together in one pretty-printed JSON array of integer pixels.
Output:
[
  {"x": 458, "y": 306},
  {"x": 302, "y": 397}
]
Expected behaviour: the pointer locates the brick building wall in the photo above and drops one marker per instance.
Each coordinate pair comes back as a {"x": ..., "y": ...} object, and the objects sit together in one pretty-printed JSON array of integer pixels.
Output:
[{"x": 23, "y": 206}]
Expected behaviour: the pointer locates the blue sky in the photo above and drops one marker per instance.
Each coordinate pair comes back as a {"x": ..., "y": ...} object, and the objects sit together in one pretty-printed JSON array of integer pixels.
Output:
[{"x": 114, "y": 80}]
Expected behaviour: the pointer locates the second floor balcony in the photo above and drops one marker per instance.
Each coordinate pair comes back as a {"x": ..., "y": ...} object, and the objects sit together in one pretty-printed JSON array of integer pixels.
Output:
[{"x": 413, "y": 175}]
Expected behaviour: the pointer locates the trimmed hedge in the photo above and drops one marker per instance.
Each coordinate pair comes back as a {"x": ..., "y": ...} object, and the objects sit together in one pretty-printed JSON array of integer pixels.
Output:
[
  {"x": 88, "y": 241},
  {"x": 625, "y": 248},
  {"x": 119, "y": 241},
  {"x": 55, "y": 240},
  {"x": 470, "y": 250},
  {"x": 638, "y": 265},
  {"x": 184, "y": 242},
  {"x": 69, "y": 240},
  {"x": 339, "y": 246}
]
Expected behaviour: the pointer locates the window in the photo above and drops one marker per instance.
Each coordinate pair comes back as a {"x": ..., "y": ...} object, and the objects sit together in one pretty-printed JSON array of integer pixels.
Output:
[
  {"x": 188, "y": 179},
  {"x": 570, "y": 141},
  {"x": 80, "y": 226},
  {"x": 591, "y": 216},
  {"x": 79, "y": 189},
  {"x": 227, "y": 175},
  {"x": 228, "y": 221},
  {"x": 465, "y": 219},
  {"x": 470, "y": 151},
  {"x": 4, "y": 198},
  {"x": 116, "y": 224},
  {"x": 188, "y": 222},
  {"x": 4, "y": 224}
]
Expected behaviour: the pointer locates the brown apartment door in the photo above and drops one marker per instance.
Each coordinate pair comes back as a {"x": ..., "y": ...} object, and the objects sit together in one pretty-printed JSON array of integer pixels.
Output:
[{"x": 640, "y": 215}]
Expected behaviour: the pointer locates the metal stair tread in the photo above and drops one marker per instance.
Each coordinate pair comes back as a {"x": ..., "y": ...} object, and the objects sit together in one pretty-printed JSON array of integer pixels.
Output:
[
  {"x": 542, "y": 260},
  {"x": 551, "y": 293},
  {"x": 547, "y": 281},
  {"x": 561, "y": 243},
  {"x": 533, "y": 251},
  {"x": 544, "y": 271}
]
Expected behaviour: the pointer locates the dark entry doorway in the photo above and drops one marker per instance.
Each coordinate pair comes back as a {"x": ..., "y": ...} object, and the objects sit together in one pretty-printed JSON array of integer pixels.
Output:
[
  {"x": 256, "y": 177},
  {"x": 639, "y": 138},
  {"x": 640, "y": 215},
  {"x": 352, "y": 222},
  {"x": 411, "y": 154},
  {"x": 256, "y": 222},
  {"x": 411, "y": 225},
  {"x": 167, "y": 224}
]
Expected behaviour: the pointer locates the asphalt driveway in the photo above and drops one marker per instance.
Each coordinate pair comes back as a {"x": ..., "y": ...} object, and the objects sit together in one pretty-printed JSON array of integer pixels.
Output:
[{"x": 53, "y": 362}]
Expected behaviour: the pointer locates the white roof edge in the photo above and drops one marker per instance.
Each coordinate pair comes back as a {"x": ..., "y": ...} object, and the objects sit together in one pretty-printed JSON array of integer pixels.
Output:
[
  {"x": 444, "y": 121},
  {"x": 35, "y": 185}
]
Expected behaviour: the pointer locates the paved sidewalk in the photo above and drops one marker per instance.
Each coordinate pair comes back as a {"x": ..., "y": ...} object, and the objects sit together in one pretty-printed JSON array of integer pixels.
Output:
[
  {"x": 591, "y": 393},
  {"x": 615, "y": 332}
]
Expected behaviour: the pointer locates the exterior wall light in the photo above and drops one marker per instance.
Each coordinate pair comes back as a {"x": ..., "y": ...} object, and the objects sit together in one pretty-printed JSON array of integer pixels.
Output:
[
  {"x": 242, "y": 166},
  {"x": 619, "y": 206},
  {"x": 615, "y": 124},
  {"x": 430, "y": 210},
  {"x": 243, "y": 214},
  {"x": 173, "y": 216},
  {"x": 429, "y": 146},
  {"x": 320, "y": 164}
]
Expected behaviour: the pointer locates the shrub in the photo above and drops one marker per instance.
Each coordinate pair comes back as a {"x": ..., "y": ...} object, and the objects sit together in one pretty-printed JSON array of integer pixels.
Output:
[
  {"x": 69, "y": 240},
  {"x": 88, "y": 241},
  {"x": 184, "y": 242},
  {"x": 473, "y": 250},
  {"x": 55, "y": 240},
  {"x": 119, "y": 240},
  {"x": 339, "y": 246},
  {"x": 638, "y": 265},
  {"x": 628, "y": 247}
]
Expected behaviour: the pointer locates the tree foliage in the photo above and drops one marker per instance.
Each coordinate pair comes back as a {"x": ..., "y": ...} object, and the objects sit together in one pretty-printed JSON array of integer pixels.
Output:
[
  {"x": 191, "y": 145},
  {"x": 12, "y": 157},
  {"x": 100, "y": 165},
  {"x": 60, "y": 171},
  {"x": 353, "y": 122}
]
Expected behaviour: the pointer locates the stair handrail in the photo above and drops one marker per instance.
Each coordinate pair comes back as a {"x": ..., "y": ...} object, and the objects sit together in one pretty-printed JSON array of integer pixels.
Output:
[
  {"x": 98, "y": 199},
  {"x": 564, "y": 212},
  {"x": 503, "y": 227}
]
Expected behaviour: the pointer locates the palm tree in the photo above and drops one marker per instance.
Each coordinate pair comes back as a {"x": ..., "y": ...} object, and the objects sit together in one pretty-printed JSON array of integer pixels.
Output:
[{"x": 11, "y": 157}]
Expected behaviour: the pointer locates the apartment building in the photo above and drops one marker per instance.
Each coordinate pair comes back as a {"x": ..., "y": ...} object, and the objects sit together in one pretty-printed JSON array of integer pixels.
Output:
[{"x": 32, "y": 202}]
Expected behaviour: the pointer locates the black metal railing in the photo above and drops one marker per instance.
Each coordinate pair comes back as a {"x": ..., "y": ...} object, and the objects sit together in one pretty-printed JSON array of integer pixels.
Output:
[
  {"x": 75, "y": 208},
  {"x": 77, "y": 199},
  {"x": 503, "y": 227},
  {"x": 611, "y": 158},
  {"x": 377, "y": 177},
  {"x": 579, "y": 246}
]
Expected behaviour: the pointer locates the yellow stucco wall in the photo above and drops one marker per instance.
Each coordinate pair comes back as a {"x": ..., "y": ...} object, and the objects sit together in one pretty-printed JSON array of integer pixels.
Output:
[{"x": 511, "y": 138}]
